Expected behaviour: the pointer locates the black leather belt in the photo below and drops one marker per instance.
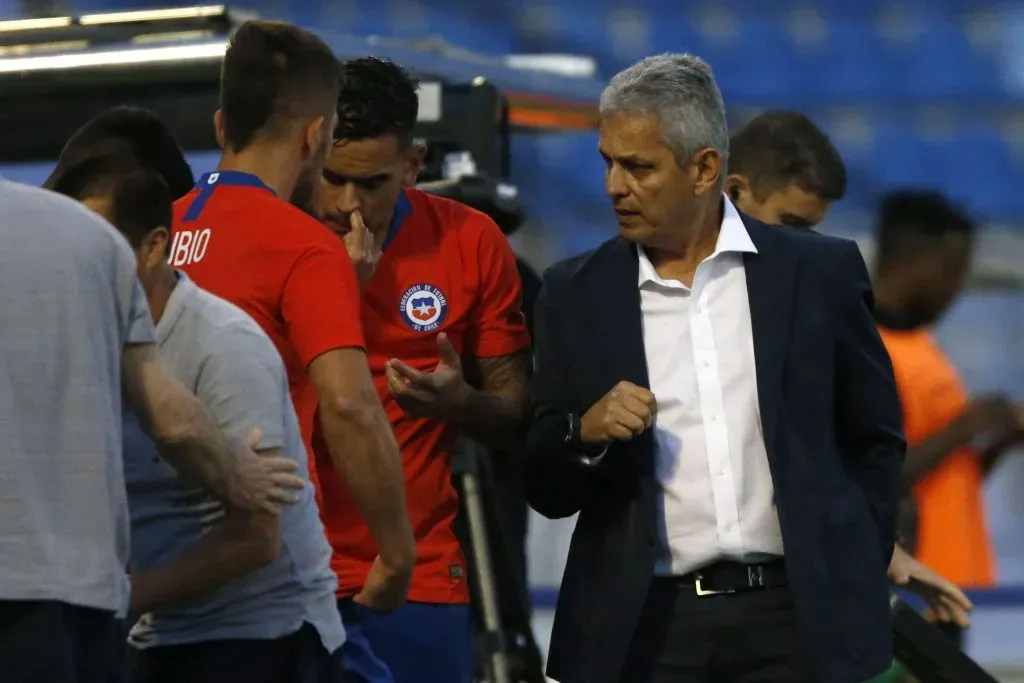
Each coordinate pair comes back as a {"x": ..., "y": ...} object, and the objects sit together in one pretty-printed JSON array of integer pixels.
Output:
[{"x": 722, "y": 578}]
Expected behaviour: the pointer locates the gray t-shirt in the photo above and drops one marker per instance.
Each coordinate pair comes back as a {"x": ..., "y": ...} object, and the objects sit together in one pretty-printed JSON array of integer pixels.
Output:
[
  {"x": 223, "y": 356},
  {"x": 69, "y": 303}
]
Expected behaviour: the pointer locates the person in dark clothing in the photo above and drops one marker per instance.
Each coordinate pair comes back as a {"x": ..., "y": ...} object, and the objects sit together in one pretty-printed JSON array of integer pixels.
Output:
[
  {"x": 509, "y": 489},
  {"x": 531, "y": 288}
]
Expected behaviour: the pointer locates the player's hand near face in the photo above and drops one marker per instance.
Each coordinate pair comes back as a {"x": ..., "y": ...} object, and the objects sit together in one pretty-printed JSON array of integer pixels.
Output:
[
  {"x": 438, "y": 394},
  {"x": 363, "y": 248}
]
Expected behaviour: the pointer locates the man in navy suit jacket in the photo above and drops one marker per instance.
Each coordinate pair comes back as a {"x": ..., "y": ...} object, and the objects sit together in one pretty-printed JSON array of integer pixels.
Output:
[{"x": 711, "y": 395}]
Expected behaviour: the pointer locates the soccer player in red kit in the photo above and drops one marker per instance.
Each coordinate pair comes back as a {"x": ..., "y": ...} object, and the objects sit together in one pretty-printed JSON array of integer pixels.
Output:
[
  {"x": 444, "y": 296},
  {"x": 243, "y": 235}
]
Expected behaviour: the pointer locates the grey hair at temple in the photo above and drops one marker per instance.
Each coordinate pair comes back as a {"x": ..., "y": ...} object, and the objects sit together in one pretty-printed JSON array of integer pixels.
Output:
[{"x": 680, "y": 90}]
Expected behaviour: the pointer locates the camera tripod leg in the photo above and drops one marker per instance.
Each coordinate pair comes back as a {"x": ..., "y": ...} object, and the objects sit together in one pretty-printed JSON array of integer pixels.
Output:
[{"x": 497, "y": 668}]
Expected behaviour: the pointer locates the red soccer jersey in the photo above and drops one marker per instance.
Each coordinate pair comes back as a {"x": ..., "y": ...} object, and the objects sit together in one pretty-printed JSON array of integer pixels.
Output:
[
  {"x": 446, "y": 268},
  {"x": 235, "y": 238}
]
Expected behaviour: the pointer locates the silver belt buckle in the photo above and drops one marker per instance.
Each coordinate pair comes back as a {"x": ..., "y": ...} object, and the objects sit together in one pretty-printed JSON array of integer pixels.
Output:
[
  {"x": 755, "y": 576},
  {"x": 698, "y": 585}
]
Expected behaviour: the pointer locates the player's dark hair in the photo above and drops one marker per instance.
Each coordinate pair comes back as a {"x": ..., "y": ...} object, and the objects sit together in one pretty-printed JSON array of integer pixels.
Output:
[
  {"x": 912, "y": 221},
  {"x": 140, "y": 201},
  {"x": 377, "y": 97},
  {"x": 781, "y": 148},
  {"x": 274, "y": 75},
  {"x": 128, "y": 131}
]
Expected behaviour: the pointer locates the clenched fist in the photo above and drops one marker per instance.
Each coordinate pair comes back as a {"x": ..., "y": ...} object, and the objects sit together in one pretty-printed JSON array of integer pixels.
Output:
[{"x": 622, "y": 414}]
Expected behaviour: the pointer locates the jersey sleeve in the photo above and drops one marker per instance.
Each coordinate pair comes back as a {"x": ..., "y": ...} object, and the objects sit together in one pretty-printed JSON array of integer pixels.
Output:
[
  {"x": 320, "y": 302},
  {"x": 242, "y": 383},
  {"x": 497, "y": 326}
]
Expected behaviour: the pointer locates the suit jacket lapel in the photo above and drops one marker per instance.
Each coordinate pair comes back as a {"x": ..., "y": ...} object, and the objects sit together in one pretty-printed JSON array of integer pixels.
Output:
[
  {"x": 771, "y": 280},
  {"x": 612, "y": 298}
]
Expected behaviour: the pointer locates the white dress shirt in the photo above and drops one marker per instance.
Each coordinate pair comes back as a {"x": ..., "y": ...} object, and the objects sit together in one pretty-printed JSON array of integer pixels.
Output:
[{"x": 717, "y": 497}]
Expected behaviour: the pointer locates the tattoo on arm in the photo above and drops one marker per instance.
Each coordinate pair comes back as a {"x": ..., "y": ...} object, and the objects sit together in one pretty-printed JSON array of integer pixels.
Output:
[{"x": 495, "y": 413}]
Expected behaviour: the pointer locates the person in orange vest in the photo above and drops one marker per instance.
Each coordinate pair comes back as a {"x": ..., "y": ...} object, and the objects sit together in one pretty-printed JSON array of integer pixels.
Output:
[{"x": 924, "y": 254}]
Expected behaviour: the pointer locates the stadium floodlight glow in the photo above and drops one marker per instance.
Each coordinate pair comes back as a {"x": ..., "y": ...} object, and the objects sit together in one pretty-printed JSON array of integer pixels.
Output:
[
  {"x": 130, "y": 57},
  {"x": 170, "y": 14},
  {"x": 13, "y": 25}
]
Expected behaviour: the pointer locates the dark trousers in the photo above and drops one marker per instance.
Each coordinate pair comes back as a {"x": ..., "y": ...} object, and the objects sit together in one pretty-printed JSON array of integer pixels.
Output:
[
  {"x": 746, "y": 637},
  {"x": 53, "y": 642},
  {"x": 298, "y": 658}
]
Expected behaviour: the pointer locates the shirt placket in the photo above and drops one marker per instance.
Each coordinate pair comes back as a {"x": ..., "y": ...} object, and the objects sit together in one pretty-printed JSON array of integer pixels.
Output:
[{"x": 712, "y": 403}]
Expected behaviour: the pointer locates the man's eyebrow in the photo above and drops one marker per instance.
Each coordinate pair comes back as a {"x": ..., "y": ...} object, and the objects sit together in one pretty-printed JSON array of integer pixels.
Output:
[
  {"x": 339, "y": 178},
  {"x": 627, "y": 158}
]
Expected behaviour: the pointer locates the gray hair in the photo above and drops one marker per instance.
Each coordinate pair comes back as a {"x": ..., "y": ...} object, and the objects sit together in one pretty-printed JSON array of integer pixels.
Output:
[{"x": 680, "y": 90}]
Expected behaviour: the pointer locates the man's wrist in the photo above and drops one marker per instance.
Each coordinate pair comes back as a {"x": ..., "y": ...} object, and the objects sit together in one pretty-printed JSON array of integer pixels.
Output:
[
  {"x": 574, "y": 438},
  {"x": 235, "y": 483},
  {"x": 459, "y": 400},
  {"x": 398, "y": 562}
]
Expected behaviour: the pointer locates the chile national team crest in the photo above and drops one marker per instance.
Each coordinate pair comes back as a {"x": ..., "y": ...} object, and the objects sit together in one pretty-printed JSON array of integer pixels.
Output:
[{"x": 423, "y": 307}]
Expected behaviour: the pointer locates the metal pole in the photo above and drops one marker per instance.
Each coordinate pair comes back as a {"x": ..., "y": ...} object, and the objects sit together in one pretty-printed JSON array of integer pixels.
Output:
[{"x": 498, "y": 659}]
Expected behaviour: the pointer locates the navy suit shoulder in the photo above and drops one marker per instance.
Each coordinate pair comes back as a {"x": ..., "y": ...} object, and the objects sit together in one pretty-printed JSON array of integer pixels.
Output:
[
  {"x": 580, "y": 265},
  {"x": 836, "y": 261},
  {"x": 805, "y": 242}
]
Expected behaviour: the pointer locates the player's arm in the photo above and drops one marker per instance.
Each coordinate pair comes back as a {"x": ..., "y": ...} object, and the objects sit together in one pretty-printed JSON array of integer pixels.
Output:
[
  {"x": 984, "y": 416},
  {"x": 242, "y": 383},
  {"x": 992, "y": 454},
  {"x": 495, "y": 414},
  {"x": 238, "y": 544},
  {"x": 497, "y": 348},
  {"x": 321, "y": 304},
  {"x": 363, "y": 449}
]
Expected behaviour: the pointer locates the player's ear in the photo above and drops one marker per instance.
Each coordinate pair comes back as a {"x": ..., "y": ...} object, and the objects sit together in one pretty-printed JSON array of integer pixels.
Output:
[
  {"x": 415, "y": 156},
  {"x": 218, "y": 128},
  {"x": 314, "y": 135},
  {"x": 155, "y": 248},
  {"x": 738, "y": 189}
]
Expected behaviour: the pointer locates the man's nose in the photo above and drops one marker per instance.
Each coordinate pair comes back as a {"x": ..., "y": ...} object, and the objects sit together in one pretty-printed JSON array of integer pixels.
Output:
[
  {"x": 347, "y": 200},
  {"x": 614, "y": 183}
]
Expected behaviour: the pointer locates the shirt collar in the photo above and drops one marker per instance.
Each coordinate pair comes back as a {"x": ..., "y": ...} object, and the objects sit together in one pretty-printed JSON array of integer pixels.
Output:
[
  {"x": 176, "y": 305},
  {"x": 733, "y": 238},
  {"x": 403, "y": 207}
]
